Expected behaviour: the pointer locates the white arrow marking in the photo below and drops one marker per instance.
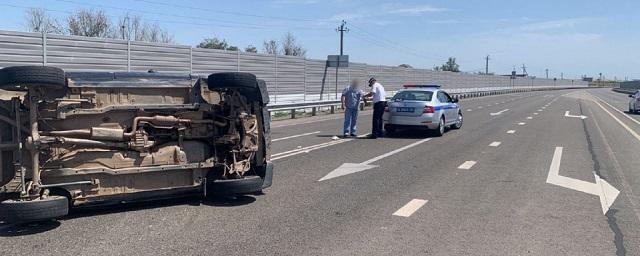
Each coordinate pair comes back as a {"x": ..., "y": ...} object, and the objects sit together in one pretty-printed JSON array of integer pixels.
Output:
[
  {"x": 499, "y": 112},
  {"x": 601, "y": 188},
  {"x": 349, "y": 168},
  {"x": 580, "y": 116}
]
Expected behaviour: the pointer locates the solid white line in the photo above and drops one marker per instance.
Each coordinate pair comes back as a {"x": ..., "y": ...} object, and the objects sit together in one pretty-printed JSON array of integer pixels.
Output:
[
  {"x": 619, "y": 111},
  {"x": 396, "y": 151},
  {"x": 495, "y": 144},
  {"x": 467, "y": 165},
  {"x": 295, "y": 136},
  {"x": 409, "y": 208},
  {"x": 619, "y": 121},
  {"x": 511, "y": 131},
  {"x": 298, "y": 151}
]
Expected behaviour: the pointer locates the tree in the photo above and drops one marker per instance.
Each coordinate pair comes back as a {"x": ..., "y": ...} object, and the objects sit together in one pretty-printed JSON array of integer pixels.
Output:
[
  {"x": 251, "y": 48},
  {"x": 215, "y": 43},
  {"x": 405, "y": 66},
  {"x": 291, "y": 47},
  {"x": 451, "y": 65},
  {"x": 38, "y": 20},
  {"x": 89, "y": 23},
  {"x": 270, "y": 47},
  {"x": 134, "y": 28}
]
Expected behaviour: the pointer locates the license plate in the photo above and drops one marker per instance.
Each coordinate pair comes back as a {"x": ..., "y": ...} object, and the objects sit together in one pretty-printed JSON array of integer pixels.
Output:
[{"x": 405, "y": 109}]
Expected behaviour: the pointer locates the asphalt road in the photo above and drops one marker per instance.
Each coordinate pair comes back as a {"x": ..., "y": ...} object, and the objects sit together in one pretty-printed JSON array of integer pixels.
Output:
[{"x": 483, "y": 190}]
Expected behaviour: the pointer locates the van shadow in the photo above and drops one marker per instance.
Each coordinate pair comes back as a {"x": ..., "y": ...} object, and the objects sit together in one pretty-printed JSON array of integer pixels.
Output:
[{"x": 22, "y": 229}]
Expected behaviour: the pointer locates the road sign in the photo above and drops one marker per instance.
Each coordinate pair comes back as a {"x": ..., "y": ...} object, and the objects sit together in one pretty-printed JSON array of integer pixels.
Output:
[{"x": 341, "y": 61}]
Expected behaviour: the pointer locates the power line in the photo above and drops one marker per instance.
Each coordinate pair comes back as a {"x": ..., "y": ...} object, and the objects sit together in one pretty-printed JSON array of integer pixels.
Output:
[
  {"x": 375, "y": 40},
  {"x": 226, "y": 12},
  {"x": 226, "y": 22}
]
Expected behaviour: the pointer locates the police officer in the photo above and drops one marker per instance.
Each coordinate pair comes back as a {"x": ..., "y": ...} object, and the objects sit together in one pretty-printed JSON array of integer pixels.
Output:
[
  {"x": 379, "y": 103},
  {"x": 351, "y": 97}
]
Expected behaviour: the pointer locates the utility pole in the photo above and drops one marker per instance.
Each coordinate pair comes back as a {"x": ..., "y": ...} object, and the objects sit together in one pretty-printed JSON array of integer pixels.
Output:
[
  {"x": 486, "y": 66},
  {"x": 340, "y": 29},
  {"x": 547, "y": 71},
  {"x": 524, "y": 70},
  {"x": 561, "y": 75}
]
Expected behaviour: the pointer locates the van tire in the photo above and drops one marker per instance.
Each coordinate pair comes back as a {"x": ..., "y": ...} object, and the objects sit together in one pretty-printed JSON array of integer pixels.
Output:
[
  {"x": 20, "y": 77},
  {"x": 232, "y": 80},
  {"x": 20, "y": 211}
]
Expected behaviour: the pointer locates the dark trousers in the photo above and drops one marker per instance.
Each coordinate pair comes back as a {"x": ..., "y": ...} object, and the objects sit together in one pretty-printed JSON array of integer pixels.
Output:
[{"x": 378, "y": 110}]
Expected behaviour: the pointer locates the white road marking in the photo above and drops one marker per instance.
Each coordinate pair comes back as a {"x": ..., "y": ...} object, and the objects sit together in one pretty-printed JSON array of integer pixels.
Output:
[
  {"x": 499, "y": 112},
  {"x": 529, "y": 117},
  {"x": 522, "y": 123},
  {"x": 580, "y": 116},
  {"x": 467, "y": 165},
  {"x": 601, "y": 188},
  {"x": 303, "y": 150},
  {"x": 633, "y": 133},
  {"x": 469, "y": 110},
  {"x": 411, "y": 207},
  {"x": 535, "y": 113},
  {"x": 619, "y": 111},
  {"x": 539, "y": 110},
  {"x": 295, "y": 136},
  {"x": 363, "y": 135},
  {"x": 511, "y": 131},
  {"x": 479, "y": 107},
  {"x": 349, "y": 168},
  {"x": 495, "y": 144}
]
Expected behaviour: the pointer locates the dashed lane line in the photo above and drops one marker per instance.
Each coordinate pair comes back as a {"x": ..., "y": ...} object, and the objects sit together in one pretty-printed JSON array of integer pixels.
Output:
[
  {"x": 411, "y": 207},
  {"x": 495, "y": 144},
  {"x": 295, "y": 136},
  {"x": 467, "y": 165}
]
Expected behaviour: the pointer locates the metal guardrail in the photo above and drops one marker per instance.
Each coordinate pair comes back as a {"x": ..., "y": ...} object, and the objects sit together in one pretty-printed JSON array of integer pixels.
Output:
[
  {"x": 292, "y": 107},
  {"x": 625, "y": 91}
]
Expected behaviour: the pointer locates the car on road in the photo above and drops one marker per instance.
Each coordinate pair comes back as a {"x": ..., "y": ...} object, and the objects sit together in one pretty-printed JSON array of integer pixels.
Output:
[
  {"x": 422, "y": 107},
  {"x": 634, "y": 102},
  {"x": 77, "y": 139}
]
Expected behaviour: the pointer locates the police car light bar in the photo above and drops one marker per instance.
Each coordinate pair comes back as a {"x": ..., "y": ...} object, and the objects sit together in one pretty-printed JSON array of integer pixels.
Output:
[{"x": 421, "y": 86}]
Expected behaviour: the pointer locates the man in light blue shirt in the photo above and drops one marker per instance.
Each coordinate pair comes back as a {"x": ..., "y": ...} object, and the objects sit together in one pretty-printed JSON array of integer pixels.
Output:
[{"x": 351, "y": 97}]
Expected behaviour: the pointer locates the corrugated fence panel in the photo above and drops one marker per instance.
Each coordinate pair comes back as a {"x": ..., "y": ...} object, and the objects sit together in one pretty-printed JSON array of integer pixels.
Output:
[
  {"x": 18, "y": 48},
  {"x": 86, "y": 54},
  {"x": 159, "y": 57},
  {"x": 287, "y": 77}
]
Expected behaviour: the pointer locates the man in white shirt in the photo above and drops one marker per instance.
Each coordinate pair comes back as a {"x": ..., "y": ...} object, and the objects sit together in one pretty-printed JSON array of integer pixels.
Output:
[{"x": 379, "y": 103}]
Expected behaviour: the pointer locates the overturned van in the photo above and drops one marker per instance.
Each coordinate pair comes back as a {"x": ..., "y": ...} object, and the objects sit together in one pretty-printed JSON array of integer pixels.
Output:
[{"x": 87, "y": 138}]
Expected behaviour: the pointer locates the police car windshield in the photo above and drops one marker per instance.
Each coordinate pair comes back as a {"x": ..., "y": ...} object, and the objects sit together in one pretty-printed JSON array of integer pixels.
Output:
[{"x": 413, "y": 96}]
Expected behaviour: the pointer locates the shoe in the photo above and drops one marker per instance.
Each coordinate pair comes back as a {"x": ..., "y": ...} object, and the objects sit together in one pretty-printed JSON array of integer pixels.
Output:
[
  {"x": 346, "y": 135},
  {"x": 354, "y": 135},
  {"x": 373, "y": 137}
]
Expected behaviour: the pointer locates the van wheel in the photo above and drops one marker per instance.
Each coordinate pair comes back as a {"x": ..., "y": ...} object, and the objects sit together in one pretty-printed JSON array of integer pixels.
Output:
[
  {"x": 17, "y": 211},
  {"x": 21, "y": 77},
  {"x": 234, "y": 80}
]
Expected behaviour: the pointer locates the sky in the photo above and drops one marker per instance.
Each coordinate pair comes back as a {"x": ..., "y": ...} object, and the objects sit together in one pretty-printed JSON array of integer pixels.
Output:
[{"x": 570, "y": 38}]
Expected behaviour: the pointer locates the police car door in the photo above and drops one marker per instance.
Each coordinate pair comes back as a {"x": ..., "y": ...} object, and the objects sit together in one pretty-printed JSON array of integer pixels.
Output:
[{"x": 445, "y": 102}]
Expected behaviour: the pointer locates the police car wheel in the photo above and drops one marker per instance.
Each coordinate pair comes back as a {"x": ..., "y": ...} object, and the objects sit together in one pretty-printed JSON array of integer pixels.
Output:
[
  {"x": 458, "y": 123},
  {"x": 440, "y": 130}
]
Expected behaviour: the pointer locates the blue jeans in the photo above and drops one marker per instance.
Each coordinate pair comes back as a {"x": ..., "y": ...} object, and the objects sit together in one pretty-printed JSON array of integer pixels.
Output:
[{"x": 350, "y": 120}]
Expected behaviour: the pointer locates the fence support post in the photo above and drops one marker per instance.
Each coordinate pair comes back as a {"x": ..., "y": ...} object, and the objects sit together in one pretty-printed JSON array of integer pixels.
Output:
[
  {"x": 275, "y": 75},
  {"x": 190, "y": 60},
  {"x": 128, "y": 55},
  {"x": 44, "y": 49}
]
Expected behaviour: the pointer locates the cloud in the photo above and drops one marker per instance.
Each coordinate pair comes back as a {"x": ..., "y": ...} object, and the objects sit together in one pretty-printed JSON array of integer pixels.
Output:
[
  {"x": 554, "y": 24},
  {"x": 412, "y": 10}
]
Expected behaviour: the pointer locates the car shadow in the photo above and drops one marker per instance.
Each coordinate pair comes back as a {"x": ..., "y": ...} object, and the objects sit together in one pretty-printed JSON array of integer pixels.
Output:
[
  {"x": 411, "y": 134},
  {"x": 22, "y": 229}
]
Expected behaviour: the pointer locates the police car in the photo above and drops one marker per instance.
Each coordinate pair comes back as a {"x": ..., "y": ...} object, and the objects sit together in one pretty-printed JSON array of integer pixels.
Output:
[{"x": 422, "y": 106}]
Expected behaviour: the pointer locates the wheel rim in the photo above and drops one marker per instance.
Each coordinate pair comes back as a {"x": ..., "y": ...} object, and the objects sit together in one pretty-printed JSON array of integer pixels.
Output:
[
  {"x": 441, "y": 126},
  {"x": 459, "y": 124}
]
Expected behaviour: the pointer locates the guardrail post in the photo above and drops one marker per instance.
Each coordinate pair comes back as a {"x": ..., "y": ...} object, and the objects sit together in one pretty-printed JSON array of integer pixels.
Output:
[
  {"x": 293, "y": 114},
  {"x": 333, "y": 109},
  {"x": 313, "y": 111}
]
